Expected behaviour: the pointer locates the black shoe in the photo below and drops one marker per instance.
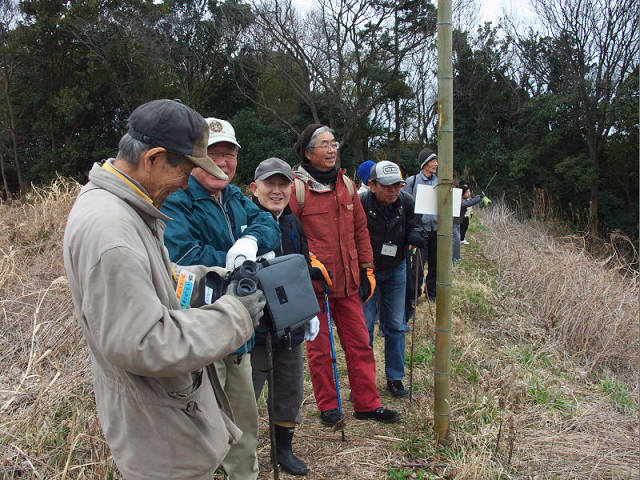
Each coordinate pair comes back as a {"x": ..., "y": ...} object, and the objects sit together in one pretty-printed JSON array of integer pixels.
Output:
[
  {"x": 284, "y": 455},
  {"x": 381, "y": 414},
  {"x": 397, "y": 388},
  {"x": 329, "y": 418}
]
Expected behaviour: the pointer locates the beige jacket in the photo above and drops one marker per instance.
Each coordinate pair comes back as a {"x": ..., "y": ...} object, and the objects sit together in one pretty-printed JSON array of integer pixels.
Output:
[{"x": 163, "y": 413}]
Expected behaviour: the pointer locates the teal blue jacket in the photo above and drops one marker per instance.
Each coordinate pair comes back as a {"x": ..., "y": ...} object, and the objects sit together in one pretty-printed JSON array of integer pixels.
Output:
[{"x": 202, "y": 229}]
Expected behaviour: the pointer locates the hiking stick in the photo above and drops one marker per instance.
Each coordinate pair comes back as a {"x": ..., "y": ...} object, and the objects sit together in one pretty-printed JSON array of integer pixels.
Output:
[
  {"x": 418, "y": 262},
  {"x": 270, "y": 406},
  {"x": 341, "y": 423},
  {"x": 494, "y": 176}
]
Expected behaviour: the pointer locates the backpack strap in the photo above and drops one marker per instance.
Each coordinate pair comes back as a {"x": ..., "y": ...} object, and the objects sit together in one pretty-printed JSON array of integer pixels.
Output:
[
  {"x": 412, "y": 182},
  {"x": 300, "y": 192},
  {"x": 349, "y": 184}
]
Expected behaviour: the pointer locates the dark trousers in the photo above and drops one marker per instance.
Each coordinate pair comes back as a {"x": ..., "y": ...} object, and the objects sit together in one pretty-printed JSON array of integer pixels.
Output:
[
  {"x": 463, "y": 227},
  {"x": 429, "y": 256},
  {"x": 288, "y": 376}
]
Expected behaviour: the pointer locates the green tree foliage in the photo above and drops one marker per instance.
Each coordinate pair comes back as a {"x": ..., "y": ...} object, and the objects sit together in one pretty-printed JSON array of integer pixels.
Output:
[
  {"x": 259, "y": 141},
  {"x": 554, "y": 109},
  {"x": 486, "y": 105},
  {"x": 587, "y": 48},
  {"x": 84, "y": 66},
  {"x": 619, "y": 194}
]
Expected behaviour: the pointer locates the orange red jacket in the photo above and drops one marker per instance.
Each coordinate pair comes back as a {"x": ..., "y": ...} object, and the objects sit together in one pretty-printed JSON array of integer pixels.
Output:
[{"x": 336, "y": 228}]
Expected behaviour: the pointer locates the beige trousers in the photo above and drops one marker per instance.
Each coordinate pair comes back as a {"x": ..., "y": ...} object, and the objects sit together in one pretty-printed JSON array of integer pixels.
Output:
[{"x": 241, "y": 463}]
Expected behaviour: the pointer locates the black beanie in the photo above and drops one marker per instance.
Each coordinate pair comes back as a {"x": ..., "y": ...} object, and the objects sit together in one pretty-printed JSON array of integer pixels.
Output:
[
  {"x": 424, "y": 156},
  {"x": 303, "y": 140}
]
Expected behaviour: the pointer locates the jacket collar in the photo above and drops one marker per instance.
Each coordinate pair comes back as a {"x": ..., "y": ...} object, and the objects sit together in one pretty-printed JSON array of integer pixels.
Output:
[
  {"x": 198, "y": 192},
  {"x": 428, "y": 179},
  {"x": 306, "y": 177},
  {"x": 106, "y": 180},
  {"x": 372, "y": 203}
]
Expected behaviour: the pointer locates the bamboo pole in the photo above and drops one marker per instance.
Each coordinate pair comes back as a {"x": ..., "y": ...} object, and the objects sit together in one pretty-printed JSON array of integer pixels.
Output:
[{"x": 442, "y": 365}]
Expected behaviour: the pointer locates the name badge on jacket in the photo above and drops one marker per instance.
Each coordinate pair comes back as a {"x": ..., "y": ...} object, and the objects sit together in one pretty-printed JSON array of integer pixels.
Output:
[{"x": 389, "y": 249}]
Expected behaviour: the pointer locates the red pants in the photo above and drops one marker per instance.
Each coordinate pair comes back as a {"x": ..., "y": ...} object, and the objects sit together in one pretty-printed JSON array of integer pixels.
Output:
[{"x": 348, "y": 317}]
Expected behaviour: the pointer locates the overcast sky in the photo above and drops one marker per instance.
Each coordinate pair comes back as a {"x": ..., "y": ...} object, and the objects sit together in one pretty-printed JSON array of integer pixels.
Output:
[{"x": 491, "y": 10}]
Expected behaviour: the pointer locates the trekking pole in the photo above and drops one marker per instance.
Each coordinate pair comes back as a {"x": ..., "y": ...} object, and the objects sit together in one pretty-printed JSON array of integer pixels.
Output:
[
  {"x": 418, "y": 263},
  {"x": 270, "y": 407},
  {"x": 341, "y": 423},
  {"x": 491, "y": 180}
]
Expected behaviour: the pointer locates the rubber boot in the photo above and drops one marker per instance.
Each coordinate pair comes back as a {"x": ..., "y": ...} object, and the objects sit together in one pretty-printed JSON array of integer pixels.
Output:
[{"x": 287, "y": 460}]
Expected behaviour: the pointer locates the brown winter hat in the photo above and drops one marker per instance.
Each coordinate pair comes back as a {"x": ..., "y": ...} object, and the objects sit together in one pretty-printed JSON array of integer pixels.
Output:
[{"x": 303, "y": 140}]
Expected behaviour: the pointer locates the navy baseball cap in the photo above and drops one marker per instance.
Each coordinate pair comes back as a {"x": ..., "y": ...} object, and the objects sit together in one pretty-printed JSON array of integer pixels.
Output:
[{"x": 178, "y": 128}]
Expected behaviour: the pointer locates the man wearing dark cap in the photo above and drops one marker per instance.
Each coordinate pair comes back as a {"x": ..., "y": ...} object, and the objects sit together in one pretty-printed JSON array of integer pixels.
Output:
[
  {"x": 329, "y": 208},
  {"x": 271, "y": 192},
  {"x": 427, "y": 176},
  {"x": 393, "y": 226},
  {"x": 161, "y": 406},
  {"x": 215, "y": 224}
]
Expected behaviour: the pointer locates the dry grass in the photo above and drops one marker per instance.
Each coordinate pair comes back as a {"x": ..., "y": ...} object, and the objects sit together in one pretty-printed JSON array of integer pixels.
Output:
[
  {"x": 582, "y": 302},
  {"x": 544, "y": 363},
  {"x": 48, "y": 417}
]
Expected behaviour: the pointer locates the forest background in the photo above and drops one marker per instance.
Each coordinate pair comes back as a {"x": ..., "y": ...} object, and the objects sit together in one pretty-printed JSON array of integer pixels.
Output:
[{"x": 544, "y": 112}]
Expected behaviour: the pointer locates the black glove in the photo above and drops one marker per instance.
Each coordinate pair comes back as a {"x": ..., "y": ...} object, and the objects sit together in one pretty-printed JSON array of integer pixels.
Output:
[
  {"x": 318, "y": 274},
  {"x": 366, "y": 289},
  {"x": 254, "y": 302}
]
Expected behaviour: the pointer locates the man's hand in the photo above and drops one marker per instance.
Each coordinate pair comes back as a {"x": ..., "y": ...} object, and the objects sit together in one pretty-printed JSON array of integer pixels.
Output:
[
  {"x": 367, "y": 284},
  {"x": 245, "y": 248},
  {"x": 311, "y": 329},
  {"x": 254, "y": 302},
  {"x": 319, "y": 272}
]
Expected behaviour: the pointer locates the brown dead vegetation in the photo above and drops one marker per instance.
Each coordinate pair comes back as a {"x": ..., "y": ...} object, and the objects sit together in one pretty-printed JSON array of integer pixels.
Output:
[{"x": 539, "y": 325}]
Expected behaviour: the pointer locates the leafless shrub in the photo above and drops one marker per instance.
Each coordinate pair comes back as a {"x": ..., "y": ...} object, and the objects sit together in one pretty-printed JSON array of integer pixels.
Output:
[
  {"x": 46, "y": 402},
  {"x": 588, "y": 304}
]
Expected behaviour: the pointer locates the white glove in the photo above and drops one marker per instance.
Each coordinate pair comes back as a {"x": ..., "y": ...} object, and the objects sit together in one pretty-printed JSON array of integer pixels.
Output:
[
  {"x": 311, "y": 329},
  {"x": 267, "y": 256},
  {"x": 245, "y": 248}
]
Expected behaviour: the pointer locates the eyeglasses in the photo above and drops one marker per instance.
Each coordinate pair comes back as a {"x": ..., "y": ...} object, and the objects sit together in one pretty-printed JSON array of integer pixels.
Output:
[
  {"x": 328, "y": 146},
  {"x": 227, "y": 157}
]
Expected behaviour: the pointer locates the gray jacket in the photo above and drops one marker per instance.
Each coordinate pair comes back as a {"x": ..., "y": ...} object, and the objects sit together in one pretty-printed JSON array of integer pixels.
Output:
[
  {"x": 464, "y": 204},
  {"x": 163, "y": 413},
  {"x": 429, "y": 222}
]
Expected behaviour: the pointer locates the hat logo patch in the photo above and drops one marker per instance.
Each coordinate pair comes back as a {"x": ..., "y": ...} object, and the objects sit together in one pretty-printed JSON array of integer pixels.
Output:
[
  {"x": 215, "y": 127},
  {"x": 389, "y": 170}
]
